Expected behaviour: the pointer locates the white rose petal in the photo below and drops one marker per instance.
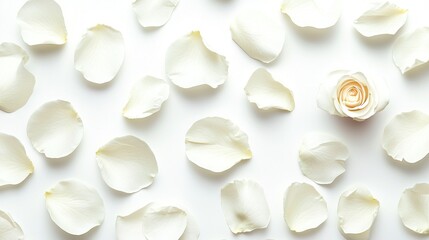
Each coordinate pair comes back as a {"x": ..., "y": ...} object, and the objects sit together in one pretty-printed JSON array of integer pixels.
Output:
[
  {"x": 9, "y": 229},
  {"x": 55, "y": 129},
  {"x": 357, "y": 210},
  {"x": 322, "y": 157},
  {"x": 267, "y": 93},
  {"x": 258, "y": 34},
  {"x": 153, "y": 222},
  {"x": 244, "y": 206},
  {"x": 411, "y": 50},
  {"x": 100, "y": 54},
  {"x": 146, "y": 97},
  {"x": 154, "y": 13},
  {"x": 353, "y": 94},
  {"x": 16, "y": 82},
  {"x": 413, "y": 208},
  {"x": 304, "y": 207},
  {"x": 216, "y": 144},
  {"x": 406, "y": 136},
  {"x": 190, "y": 63},
  {"x": 385, "y": 18},
  {"x": 313, "y": 13},
  {"x": 42, "y": 22},
  {"x": 74, "y": 206},
  {"x": 15, "y": 166},
  {"x": 127, "y": 164}
]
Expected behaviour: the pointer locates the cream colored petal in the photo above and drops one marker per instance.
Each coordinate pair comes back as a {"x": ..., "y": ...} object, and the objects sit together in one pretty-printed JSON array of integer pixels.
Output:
[
  {"x": 357, "y": 210},
  {"x": 267, "y": 93},
  {"x": 406, "y": 136},
  {"x": 304, "y": 207},
  {"x": 190, "y": 63},
  {"x": 152, "y": 222},
  {"x": 100, "y": 54},
  {"x": 322, "y": 157},
  {"x": 15, "y": 166},
  {"x": 74, "y": 206},
  {"x": 384, "y": 18},
  {"x": 244, "y": 206},
  {"x": 313, "y": 13},
  {"x": 327, "y": 91},
  {"x": 216, "y": 144},
  {"x": 55, "y": 129},
  {"x": 127, "y": 164},
  {"x": 42, "y": 22},
  {"x": 9, "y": 229},
  {"x": 16, "y": 82},
  {"x": 411, "y": 50},
  {"x": 258, "y": 34},
  {"x": 413, "y": 208},
  {"x": 154, "y": 13},
  {"x": 146, "y": 97}
]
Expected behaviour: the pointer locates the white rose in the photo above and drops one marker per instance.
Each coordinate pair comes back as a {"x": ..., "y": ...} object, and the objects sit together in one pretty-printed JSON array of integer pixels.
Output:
[{"x": 352, "y": 94}]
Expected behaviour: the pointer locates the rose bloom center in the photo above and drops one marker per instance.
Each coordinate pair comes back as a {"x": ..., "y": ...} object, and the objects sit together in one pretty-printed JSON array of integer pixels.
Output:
[{"x": 353, "y": 94}]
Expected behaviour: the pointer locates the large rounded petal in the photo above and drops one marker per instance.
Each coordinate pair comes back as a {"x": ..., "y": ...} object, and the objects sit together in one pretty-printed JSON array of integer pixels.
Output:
[
  {"x": 357, "y": 210},
  {"x": 100, "y": 54},
  {"x": 55, "y": 129},
  {"x": 74, "y": 206},
  {"x": 153, "y": 222},
  {"x": 216, "y": 144},
  {"x": 15, "y": 166},
  {"x": 42, "y": 22},
  {"x": 154, "y": 13},
  {"x": 267, "y": 93},
  {"x": 304, "y": 207},
  {"x": 146, "y": 97},
  {"x": 127, "y": 164},
  {"x": 244, "y": 206},
  {"x": 313, "y": 13},
  {"x": 190, "y": 63},
  {"x": 413, "y": 208},
  {"x": 16, "y": 82},
  {"x": 384, "y": 18},
  {"x": 322, "y": 157},
  {"x": 9, "y": 229},
  {"x": 411, "y": 50},
  {"x": 258, "y": 34},
  {"x": 406, "y": 136}
]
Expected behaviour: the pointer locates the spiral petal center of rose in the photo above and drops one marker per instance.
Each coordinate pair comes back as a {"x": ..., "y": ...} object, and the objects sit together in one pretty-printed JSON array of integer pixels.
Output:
[{"x": 353, "y": 94}]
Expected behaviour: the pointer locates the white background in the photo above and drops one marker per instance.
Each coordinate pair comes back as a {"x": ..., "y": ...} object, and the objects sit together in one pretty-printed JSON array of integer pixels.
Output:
[{"x": 274, "y": 137}]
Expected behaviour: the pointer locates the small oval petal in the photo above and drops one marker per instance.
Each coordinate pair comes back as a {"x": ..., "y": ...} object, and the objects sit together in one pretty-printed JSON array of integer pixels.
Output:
[
  {"x": 152, "y": 222},
  {"x": 244, "y": 206},
  {"x": 413, "y": 208},
  {"x": 405, "y": 137},
  {"x": 304, "y": 207},
  {"x": 9, "y": 229},
  {"x": 268, "y": 93},
  {"x": 15, "y": 166},
  {"x": 411, "y": 50},
  {"x": 154, "y": 13},
  {"x": 313, "y": 13},
  {"x": 322, "y": 157},
  {"x": 146, "y": 97},
  {"x": 74, "y": 206},
  {"x": 216, "y": 144},
  {"x": 42, "y": 22},
  {"x": 258, "y": 34},
  {"x": 190, "y": 63},
  {"x": 16, "y": 82},
  {"x": 357, "y": 210},
  {"x": 100, "y": 54},
  {"x": 384, "y": 18},
  {"x": 55, "y": 129},
  {"x": 127, "y": 164}
]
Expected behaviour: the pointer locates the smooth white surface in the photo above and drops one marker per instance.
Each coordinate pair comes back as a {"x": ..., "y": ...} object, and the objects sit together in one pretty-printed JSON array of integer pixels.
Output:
[{"x": 273, "y": 136}]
